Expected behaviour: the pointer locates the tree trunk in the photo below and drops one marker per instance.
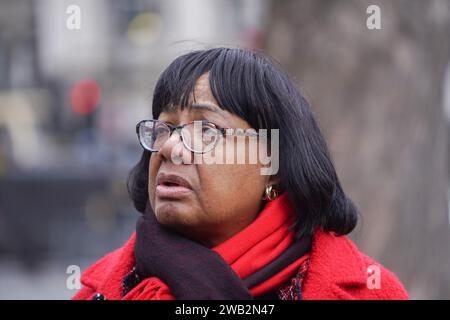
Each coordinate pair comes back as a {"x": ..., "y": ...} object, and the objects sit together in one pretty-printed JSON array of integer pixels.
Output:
[{"x": 377, "y": 95}]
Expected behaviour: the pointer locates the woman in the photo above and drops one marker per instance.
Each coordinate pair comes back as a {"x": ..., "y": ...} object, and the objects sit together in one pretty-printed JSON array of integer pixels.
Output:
[{"x": 224, "y": 230}]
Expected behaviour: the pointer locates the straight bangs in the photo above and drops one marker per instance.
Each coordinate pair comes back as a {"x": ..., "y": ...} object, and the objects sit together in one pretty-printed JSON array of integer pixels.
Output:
[{"x": 238, "y": 80}]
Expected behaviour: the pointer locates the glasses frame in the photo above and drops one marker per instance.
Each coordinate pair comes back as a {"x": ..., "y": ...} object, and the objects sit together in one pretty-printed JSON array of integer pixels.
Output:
[{"x": 172, "y": 128}]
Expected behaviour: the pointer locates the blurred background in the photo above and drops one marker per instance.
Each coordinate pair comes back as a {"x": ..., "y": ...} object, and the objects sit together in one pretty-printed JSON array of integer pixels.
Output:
[{"x": 76, "y": 76}]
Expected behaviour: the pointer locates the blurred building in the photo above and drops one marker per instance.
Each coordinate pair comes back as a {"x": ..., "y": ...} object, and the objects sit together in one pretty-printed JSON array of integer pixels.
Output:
[{"x": 69, "y": 101}]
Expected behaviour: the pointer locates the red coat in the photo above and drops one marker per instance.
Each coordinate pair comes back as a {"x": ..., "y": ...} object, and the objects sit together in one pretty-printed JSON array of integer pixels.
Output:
[{"x": 337, "y": 270}]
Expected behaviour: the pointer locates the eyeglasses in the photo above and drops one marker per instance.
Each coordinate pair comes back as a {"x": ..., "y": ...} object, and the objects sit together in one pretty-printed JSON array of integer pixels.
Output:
[{"x": 198, "y": 136}]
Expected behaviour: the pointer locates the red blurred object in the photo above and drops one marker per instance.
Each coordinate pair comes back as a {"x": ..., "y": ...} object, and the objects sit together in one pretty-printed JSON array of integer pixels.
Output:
[{"x": 85, "y": 96}]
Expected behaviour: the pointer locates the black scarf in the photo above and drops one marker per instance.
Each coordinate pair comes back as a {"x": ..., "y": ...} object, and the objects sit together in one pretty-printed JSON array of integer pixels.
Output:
[{"x": 193, "y": 271}]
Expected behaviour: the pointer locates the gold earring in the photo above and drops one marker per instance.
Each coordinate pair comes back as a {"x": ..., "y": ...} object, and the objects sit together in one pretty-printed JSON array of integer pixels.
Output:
[{"x": 270, "y": 193}]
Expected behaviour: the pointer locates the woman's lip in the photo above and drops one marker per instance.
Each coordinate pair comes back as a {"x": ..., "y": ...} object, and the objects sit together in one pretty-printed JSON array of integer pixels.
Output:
[
  {"x": 164, "y": 178},
  {"x": 171, "y": 192}
]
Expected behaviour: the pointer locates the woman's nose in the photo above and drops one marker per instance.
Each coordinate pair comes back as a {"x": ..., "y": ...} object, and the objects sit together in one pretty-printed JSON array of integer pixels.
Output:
[{"x": 174, "y": 150}]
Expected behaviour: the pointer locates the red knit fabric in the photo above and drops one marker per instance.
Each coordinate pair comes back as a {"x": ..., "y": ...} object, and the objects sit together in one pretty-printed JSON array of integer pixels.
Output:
[
  {"x": 260, "y": 243},
  {"x": 337, "y": 270}
]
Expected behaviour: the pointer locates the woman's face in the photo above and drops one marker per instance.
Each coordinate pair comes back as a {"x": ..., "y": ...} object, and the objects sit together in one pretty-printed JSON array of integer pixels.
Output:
[{"x": 220, "y": 199}]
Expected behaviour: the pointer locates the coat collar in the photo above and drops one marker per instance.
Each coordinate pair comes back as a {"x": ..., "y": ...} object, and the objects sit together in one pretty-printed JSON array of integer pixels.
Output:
[
  {"x": 106, "y": 275},
  {"x": 335, "y": 265}
]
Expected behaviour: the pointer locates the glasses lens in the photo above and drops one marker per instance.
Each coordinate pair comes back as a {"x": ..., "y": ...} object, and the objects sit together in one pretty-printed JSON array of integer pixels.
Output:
[
  {"x": 153, "y": 134},
  {"x": 200, "y": 137}
]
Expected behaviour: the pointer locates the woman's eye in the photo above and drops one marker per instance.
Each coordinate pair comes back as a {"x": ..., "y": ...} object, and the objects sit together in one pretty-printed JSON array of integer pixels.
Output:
[
  {"x": 208, "y": 130},
  {"x": 205, "y": 129},
  {"x": 160, "y": 130}
]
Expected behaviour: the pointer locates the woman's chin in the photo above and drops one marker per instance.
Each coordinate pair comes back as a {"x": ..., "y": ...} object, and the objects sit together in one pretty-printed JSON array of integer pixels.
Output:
[{"x": 172, "y": 213}]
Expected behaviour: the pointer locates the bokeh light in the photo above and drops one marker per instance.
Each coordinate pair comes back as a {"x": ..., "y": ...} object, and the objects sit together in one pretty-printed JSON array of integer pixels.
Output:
[
  {"x": 85, "y": 96},
  {"x": 144, "y": 29}
]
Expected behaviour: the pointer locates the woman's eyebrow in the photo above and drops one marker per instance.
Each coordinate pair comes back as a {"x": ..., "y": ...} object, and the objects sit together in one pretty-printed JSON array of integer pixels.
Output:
[{"x": 210, "y": 107}]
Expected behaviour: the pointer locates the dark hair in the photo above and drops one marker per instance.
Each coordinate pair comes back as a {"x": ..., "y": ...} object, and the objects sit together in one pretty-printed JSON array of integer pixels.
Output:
[{"x": 251, "y": 86}]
